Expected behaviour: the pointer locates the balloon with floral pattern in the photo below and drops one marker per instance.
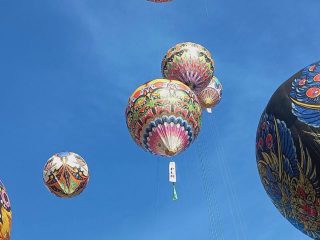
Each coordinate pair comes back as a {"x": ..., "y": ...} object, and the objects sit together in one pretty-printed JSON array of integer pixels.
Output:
[
  {"x": 288, "y": 150},
  {"x": 189, "y": 63},
  {"x": 305, "y": 95},
  {"x": 211, "y": 95},
  {"x": 66, "y": 174},
  {"x": 5, "y": 214},
  {"x": 163, "y": 116}
]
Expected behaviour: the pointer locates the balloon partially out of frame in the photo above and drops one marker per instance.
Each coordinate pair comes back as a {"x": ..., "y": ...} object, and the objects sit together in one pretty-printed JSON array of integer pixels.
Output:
[
  {"x": 288, "y": 150},
  {"x": 5, "y": 214}
]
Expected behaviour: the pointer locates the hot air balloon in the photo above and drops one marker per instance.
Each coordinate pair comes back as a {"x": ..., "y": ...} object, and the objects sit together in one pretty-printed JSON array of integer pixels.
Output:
[
  {"x": 189, "y": 63},
  {"x": 5, "y": 214},
  {"x": 164, "y": 118},
  {"x": 211, "y": 95},
  {"x": 66, "y": 174},
  {"x": 288, "y": 150}
]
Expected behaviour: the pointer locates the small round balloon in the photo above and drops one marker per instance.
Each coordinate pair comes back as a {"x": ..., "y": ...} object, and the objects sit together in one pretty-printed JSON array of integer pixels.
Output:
[
  {"x": 163, "y": 116},
  {"x": 288, "y": 150},
  {"x": 189, "y": 63},
  {"x": 66, "y": 174},
  {"x": 5, "y": 214},
  {"x": 211, "y": 95}
]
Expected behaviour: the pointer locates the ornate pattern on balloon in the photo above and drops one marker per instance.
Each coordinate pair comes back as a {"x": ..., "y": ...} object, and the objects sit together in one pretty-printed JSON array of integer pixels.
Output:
[
  {"x": 289, "y": 180},
  {"x": 66, "y": 174},
  {"x": 211, "y": 95},
  {"x": 163, "y": 116},
  {"x": 305, "y": 95},
  {"x": 5, "y": 214},
  {"x": 189, "y": 63},
  {"x": 156, "y": 141}
]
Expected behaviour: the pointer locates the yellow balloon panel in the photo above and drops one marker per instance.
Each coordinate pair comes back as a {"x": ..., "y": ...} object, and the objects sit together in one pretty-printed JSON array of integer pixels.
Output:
[{"x": 5, "y": 214}]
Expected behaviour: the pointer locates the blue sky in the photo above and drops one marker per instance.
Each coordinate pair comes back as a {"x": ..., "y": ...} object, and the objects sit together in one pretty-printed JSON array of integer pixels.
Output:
[{"x": 67, "y": 70}]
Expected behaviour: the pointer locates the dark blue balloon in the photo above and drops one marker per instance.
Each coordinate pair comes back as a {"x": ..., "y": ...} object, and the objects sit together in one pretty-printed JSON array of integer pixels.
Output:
[{"x": 288, "y": 150}]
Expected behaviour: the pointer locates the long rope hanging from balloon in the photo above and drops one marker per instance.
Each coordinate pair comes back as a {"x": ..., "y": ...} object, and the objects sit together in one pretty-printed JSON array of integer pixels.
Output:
[
  {"x": 206, "y": 7},
  {"x": 210, "y": 193},
  {"x": 215, "y": 229},
  {"x": 228, "y": 182},
  {"x": 219, "y": 159}
]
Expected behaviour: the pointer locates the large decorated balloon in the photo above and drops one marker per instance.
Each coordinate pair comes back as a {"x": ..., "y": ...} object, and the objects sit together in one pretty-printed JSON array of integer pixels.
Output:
[
  {"x": 66, "y": 174},
  {"x": 189, "y": 63},
  {"x": 5, "y": 214},
  {"x": 211, "y": 95},
  {"x": 288, "y": 149},
  {"x": 163, "y": 116}
]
